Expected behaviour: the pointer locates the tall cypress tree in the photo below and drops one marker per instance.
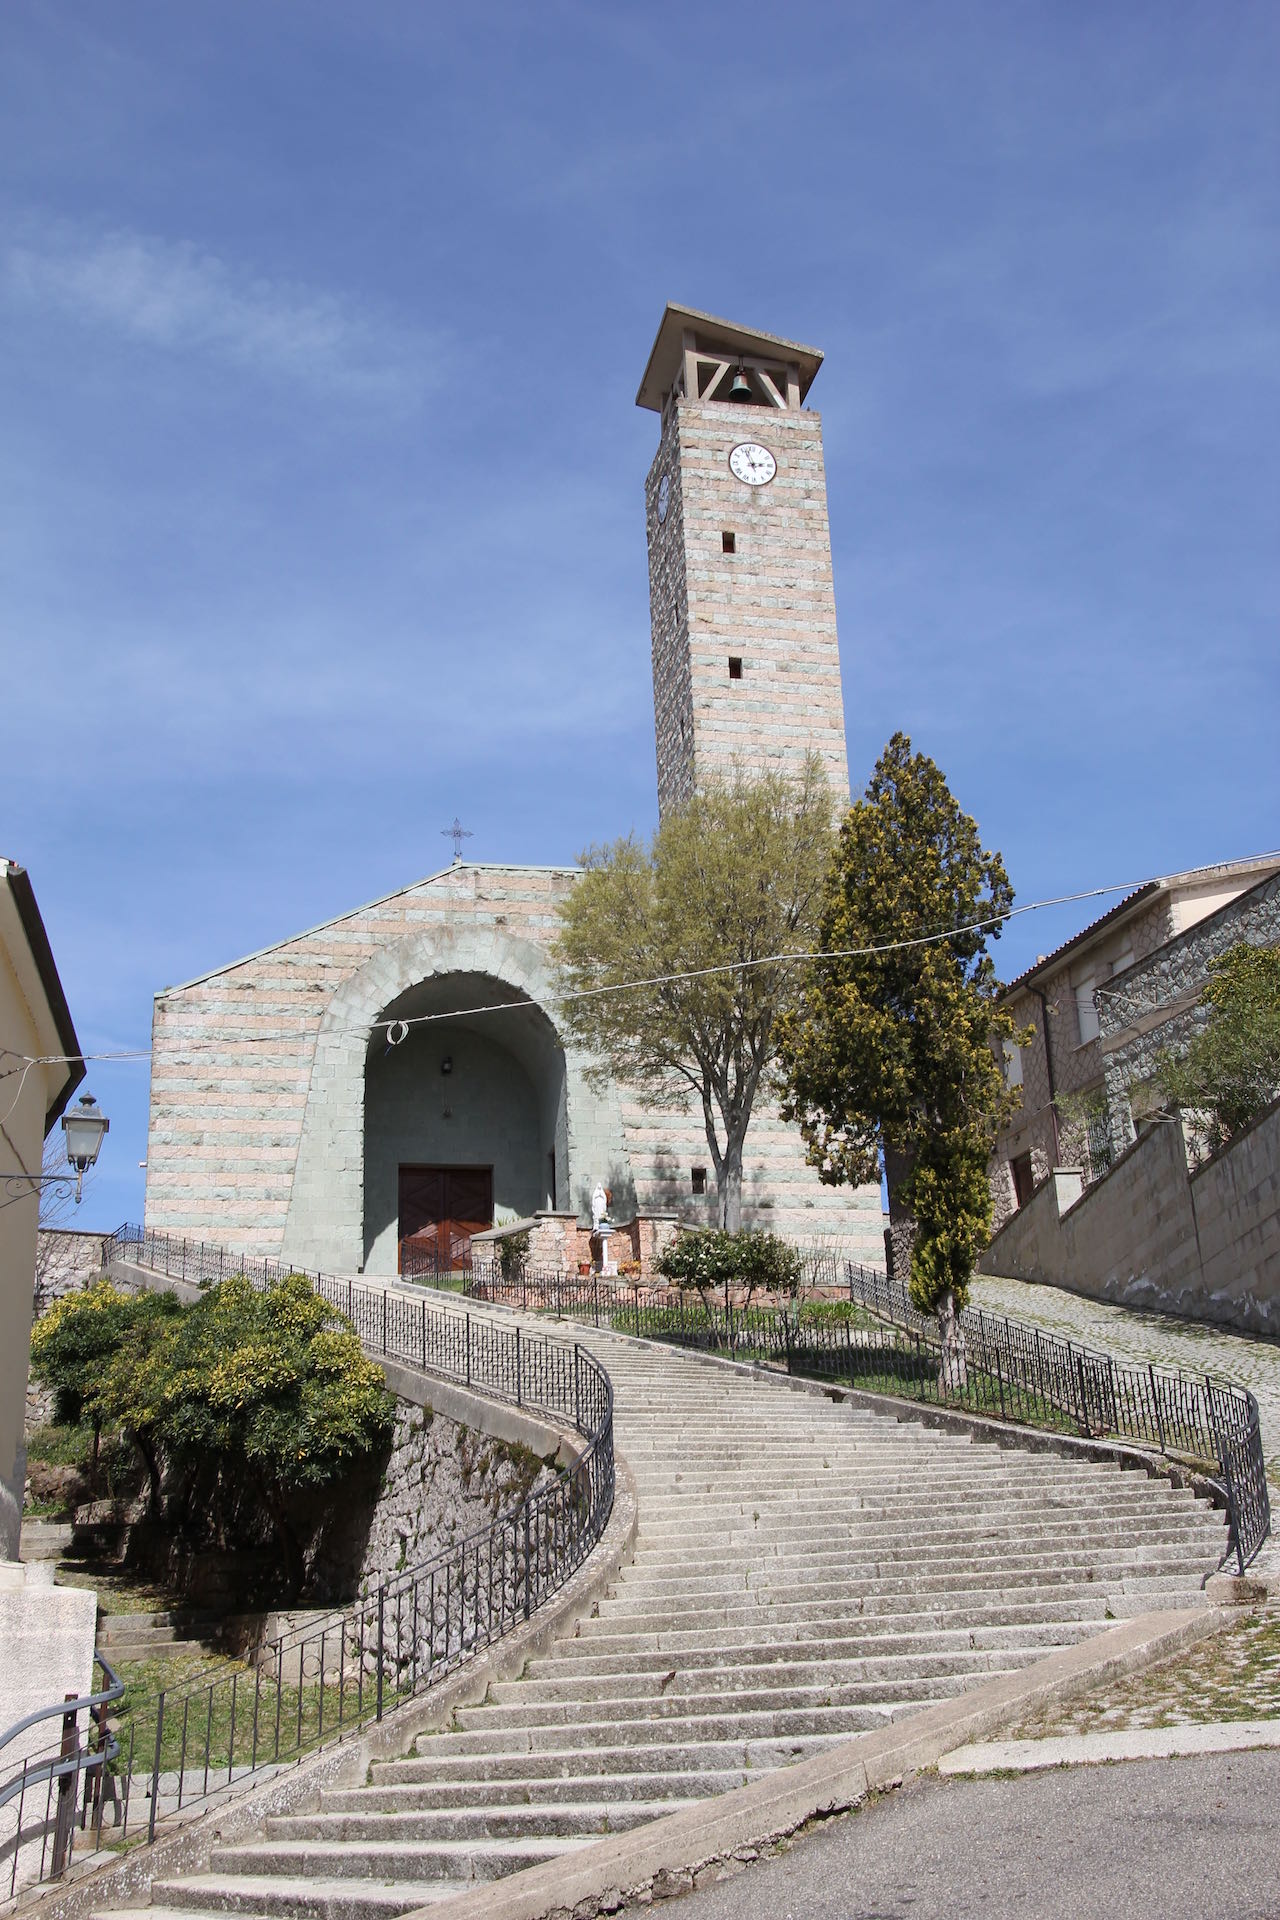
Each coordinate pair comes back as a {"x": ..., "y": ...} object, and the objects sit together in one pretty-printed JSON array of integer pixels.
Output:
[{"x": 895, "y": 1045}]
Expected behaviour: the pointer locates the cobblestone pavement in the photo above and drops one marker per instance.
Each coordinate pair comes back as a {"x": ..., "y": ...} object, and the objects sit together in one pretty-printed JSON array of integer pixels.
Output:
[
  {"x": 1160, "y": 1338},
  {"x": 1233, "y": 1675}
]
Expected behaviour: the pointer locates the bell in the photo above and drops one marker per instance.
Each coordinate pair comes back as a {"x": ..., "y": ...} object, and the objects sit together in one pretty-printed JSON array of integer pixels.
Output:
[{"x": 741, "y": 388}]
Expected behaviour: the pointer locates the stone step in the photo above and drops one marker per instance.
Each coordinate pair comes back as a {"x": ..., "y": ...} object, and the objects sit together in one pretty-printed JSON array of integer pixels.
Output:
[
  {"x": 734, "y": 1671},
  {"x": 1118, "y": 1600},
  {"x": 525, "y": 1790},
  {"x": 726, "y": 1754},
  {"x": 270, "y": 1896},
  {"x": 158, "y": 1640},
  {"x": 769, "y": 1721},
  {"x": 803, "y": 1504},
  {"x": 190, "y": 1624},
  {"x": 864, "y": 1534},
  {"x": 394, "y": 1861},
  {"x": 866, "y": 1615},
  {"x": 854, "y": 1571},
  {"x": 877, "y": 1560},
  {"x": 1121, "y": 1599},
  {"x": 711, "y": 1694},
  {"x": 373, "y": 1822},
  {"x": 843, "y": 1641}
]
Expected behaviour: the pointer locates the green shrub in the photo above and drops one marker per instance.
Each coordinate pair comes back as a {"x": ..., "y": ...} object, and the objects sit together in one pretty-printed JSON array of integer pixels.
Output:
[
  {"x": 77, "y": 1341},
  {"x": 1230, "y": 1071},
  {"x": 244, "y": 1397},
  {"x": 712, "y": 1261}
]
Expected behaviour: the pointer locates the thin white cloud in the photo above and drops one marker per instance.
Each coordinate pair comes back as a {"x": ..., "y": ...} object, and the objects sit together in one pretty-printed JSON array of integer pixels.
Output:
[{"x": 186, "y": 300}]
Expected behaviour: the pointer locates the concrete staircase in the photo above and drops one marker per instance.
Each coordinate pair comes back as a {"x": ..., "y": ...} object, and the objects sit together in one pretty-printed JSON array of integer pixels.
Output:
[
  {"x": 153, "y": 1636},
  {"x": 803, "y": 1570}
]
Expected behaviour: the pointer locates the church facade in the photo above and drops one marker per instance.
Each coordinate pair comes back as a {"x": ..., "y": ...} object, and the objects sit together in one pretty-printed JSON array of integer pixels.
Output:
[{"x": 289, "y": 1118}]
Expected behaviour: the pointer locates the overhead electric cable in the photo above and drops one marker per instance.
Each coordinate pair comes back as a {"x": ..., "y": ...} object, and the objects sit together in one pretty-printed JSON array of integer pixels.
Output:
[{"x": 618, "y": 986}]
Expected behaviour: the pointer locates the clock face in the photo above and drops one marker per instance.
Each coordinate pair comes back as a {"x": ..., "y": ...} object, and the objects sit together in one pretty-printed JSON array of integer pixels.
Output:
[
  {"x": 664, "y": 497},
  {"x": 752, "y": 464}
]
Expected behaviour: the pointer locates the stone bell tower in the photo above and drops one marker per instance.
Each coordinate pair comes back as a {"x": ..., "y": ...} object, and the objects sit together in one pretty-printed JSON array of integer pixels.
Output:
[{"x": 746, "y": 664}]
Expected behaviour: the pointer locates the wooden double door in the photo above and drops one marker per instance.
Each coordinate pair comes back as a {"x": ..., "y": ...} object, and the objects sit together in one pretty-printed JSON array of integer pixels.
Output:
[{"x": 440, "y": 1209}]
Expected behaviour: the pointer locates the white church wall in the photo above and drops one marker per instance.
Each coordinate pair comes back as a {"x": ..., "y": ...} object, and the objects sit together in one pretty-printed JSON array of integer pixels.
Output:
[{"x": 781, "y": 1192}]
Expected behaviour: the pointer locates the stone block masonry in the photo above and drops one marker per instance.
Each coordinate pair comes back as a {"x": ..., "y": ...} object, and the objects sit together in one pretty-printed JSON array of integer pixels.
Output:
[
  {"x": 1205, "y": 1245},
  {"x": 769, "y": 604},
  {"x": 442, "y": 1481}
]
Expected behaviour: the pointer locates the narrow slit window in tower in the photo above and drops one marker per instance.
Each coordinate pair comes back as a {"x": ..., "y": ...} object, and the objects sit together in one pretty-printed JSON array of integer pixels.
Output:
[
  {"x": 698, "y": 1179},
  {"x": 735, "y": 667},
  {"x": 729, "y": 541}
]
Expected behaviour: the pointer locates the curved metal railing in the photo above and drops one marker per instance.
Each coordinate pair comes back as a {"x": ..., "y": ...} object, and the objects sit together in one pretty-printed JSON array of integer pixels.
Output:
[
  {"x": 1211, "y": 1423},
  {"x": 336, "y": 1673},
  {"x": 40, "y": 1800}
]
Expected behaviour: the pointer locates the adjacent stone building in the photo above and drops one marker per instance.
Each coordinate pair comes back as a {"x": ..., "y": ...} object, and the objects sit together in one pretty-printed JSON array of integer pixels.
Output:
[
  {"x": 291, "y": 1116},
  {"x": 1104, "y": 1005}
]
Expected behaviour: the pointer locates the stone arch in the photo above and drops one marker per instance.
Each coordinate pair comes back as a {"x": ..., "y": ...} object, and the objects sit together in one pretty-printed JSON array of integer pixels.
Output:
[{"x": 325, "y": 1226}]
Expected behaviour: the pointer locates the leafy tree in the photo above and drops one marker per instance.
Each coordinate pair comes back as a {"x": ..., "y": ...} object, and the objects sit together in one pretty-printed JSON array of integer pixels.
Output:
[
  {"x": 75, "y": 1343},
  {"x": 244, "y": 1396},
  {"x": 714, "y": 1261},
  {"x": 262, "y": 1389},
  {"x": 732, "y": 878},
  {"x": 1230, "y": 1072},
  {"x": 895, "y": 1045},
  {"x": 513, "y": 1255}
]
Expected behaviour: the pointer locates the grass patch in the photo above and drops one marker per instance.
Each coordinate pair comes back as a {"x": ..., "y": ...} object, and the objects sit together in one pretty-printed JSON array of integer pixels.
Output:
[
  {"x": 225, "y": 1713},
  {"x": 1230, "y": 1675}
]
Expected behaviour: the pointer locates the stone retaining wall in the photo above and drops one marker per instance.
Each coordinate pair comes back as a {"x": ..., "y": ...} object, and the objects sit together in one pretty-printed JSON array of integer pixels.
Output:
[
  {"x": 65, "y": 1260},
  {"x": 1151, "y": 1234}
]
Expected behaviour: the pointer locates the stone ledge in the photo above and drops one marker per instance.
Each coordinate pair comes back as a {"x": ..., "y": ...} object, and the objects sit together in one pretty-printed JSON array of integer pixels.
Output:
[{"x": 1116, "y": 1743}]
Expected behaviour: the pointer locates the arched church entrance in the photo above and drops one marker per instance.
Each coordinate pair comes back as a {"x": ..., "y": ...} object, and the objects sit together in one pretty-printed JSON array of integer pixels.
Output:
[
  {"x": 465, "y": 1120},
  {"x": 514, "y": 1092}
]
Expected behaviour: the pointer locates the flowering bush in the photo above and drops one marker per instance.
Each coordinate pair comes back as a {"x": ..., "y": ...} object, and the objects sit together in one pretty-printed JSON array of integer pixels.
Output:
[{"x": 712, "y": 1261}]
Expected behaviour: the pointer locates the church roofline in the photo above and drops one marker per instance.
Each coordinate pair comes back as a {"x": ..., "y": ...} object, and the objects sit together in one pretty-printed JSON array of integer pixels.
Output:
[
  {"x": 274, "y": 946},
  {"x": 711, "y": 333}
]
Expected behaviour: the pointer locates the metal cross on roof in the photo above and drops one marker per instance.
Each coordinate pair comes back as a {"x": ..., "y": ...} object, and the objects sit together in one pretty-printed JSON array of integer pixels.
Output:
[{"x": 458, "y": 833}]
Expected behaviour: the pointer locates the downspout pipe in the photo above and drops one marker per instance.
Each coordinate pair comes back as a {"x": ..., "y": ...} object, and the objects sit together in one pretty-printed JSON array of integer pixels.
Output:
[{"x": 1048, "y": 1061}]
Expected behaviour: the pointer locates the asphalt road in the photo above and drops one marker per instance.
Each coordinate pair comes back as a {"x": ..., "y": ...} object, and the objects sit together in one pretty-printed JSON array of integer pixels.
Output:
[{"x": 1178, "y": 1839}]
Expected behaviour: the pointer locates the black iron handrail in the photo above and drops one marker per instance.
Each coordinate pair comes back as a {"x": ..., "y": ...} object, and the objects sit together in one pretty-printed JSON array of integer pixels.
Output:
[
  {"x": 329, "y": 1677},
  {"x": 1214, "y": 1422}
]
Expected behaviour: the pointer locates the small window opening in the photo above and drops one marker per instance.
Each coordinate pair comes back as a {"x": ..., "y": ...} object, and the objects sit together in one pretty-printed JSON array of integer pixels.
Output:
[
  {"x": 729, "y": 541},
  {"x": 698, "y": 1178},
  {"x": 735, "y": 667}
]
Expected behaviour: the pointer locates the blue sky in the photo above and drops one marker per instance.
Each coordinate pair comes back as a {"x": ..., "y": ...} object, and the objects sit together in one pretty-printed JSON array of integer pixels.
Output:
[{"x": 320, "y": 329}]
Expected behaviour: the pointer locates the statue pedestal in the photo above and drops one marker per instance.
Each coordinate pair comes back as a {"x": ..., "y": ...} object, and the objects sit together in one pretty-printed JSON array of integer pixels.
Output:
[{"x": 600, "y": 1249}]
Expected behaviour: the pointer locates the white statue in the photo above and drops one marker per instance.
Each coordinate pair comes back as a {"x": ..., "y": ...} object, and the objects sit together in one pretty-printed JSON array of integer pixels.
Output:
[{"x": 599, "y": 1207}]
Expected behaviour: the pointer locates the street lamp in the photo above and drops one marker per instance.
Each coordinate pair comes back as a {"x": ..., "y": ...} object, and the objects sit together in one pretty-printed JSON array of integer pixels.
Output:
[{"x": 83, "y": 1131}]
